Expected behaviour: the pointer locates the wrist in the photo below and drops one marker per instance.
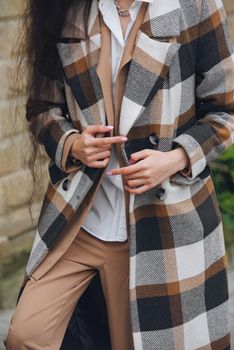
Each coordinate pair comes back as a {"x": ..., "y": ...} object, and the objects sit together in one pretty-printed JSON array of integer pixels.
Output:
[
  {"x": 180, "y": 158},
  {"x": 73, "y": 154},
  {"x": 74, "y": 147}
]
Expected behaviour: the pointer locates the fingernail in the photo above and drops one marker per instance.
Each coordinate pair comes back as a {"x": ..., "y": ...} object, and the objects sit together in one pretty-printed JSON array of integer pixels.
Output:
[
  {"x": 110, "y": 127},
  {"x": 124, "y": 138},
  {"x": 108, "y": 173}
]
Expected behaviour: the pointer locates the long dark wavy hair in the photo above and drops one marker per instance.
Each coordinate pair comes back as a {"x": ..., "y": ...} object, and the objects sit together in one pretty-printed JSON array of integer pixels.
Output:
[{"x": 35, "y": 51}]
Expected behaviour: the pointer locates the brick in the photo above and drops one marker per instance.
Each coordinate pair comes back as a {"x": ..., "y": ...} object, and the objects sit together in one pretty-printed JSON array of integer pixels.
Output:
[
  {"x": 19, "y": 221},
  {"x": 12, "y": 153},
  {"x": 23, "y": 148},
  {"x": 10, "y": 8},
  {"x": 229, "y": 6},
  {"x": 17, "y": 189},
  {"x": 11, "y": 123},
  {"x": 14, "y": 223},
  {"x": 8, "y": 157},
  {"x": 8, "y": 32},
  {"x": 5, "y": 68},
  {"x": 15, "y": 152},
  {"x": 7, "y": 72}
]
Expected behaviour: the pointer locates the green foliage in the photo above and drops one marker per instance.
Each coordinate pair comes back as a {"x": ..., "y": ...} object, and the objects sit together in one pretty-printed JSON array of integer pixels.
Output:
[{"x": 223, "y": 171}]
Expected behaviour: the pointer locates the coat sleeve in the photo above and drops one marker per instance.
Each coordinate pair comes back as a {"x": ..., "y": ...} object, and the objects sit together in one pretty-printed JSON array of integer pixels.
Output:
[
  {"x": 213, "y": 132},
  {"x": 50, "y": 124}
]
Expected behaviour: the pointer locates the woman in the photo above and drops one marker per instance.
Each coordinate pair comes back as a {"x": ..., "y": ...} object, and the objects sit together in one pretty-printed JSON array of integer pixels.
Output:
[{"x": 131, "y": 116}]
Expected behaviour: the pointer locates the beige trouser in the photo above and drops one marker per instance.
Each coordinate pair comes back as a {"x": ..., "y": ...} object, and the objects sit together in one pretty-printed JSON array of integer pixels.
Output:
[{"x": 47, "y": 304}]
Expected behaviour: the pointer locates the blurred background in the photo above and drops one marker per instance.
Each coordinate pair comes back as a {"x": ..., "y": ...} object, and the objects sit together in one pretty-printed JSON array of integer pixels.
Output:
[{"x": 16, "y": 186}]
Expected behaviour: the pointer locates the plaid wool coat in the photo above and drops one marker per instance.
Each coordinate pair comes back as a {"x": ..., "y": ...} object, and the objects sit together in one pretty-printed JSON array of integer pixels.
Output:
[{"x": 175, "y": 88}]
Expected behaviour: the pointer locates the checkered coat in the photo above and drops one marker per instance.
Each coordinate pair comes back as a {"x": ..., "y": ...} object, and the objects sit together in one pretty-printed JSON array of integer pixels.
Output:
[{"x": 178, "y": 90}]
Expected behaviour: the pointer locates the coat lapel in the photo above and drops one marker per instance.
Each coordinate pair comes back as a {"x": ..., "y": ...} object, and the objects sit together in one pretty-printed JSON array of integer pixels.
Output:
[
  {"x": 151, "y": 59},
  {"x": 80, "y": 58},
  {"x": 126, "y": 58},
  {"x": 104, "y": 71}
]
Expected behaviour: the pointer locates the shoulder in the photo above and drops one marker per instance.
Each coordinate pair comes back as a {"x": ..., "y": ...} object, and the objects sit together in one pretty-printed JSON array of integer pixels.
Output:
[
  {"x": 73, "y": 24},
  {"x": 199, "y": 8},
  {"x": 196, "y": 12},
  {"x": 196, "y": 7}
]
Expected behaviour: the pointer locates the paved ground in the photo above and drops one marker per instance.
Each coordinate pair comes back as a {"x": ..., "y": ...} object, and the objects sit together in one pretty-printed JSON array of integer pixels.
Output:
[{"x": 6, "y": 315}]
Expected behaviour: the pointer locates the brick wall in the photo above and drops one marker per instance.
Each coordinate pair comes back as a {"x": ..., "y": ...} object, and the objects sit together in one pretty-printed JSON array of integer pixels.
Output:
[{"x": 15, "y": 180}]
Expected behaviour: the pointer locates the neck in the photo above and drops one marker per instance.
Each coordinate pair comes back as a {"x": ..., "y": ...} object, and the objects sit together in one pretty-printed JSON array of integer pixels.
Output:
[{"x": 125, "y": 3}]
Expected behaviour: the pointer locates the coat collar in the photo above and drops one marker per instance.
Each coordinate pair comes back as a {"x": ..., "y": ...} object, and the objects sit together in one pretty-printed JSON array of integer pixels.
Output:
[
  {"x": 162, "y": 18},
  {"x": 149, "y": 48}
]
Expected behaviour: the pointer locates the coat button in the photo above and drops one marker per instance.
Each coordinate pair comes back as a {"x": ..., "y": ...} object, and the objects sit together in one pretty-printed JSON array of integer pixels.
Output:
[
  {"x": 66, "y": 184},
  {"x": 160, "y": 193},
  {"x": 153, "y": 138}
]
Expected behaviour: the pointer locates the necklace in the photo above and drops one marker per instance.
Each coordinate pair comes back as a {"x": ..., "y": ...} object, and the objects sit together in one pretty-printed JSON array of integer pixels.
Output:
[{"x": 121, "y": 12}]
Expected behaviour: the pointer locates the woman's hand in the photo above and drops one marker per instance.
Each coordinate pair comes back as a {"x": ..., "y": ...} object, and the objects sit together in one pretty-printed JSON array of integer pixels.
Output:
[
  {"x": 94, "y": 152},
  {"x": 148, "y": 168}
]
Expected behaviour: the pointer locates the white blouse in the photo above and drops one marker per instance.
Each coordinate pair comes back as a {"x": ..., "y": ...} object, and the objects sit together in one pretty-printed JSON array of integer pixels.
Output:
[{"x": 106, "y": 218}]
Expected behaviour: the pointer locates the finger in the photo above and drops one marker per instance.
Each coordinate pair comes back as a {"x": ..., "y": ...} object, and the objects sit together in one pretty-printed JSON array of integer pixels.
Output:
[
  {"x": 99, "y": 164},
  {"x": 103, "y": 148},
  {"x": 107, "y": 140},
  {"x": 137, "y": 190},
  {"x": 99, "y": 156},
  {"x": 93, "y": 129},
  {"x": 126, "y": 170},
  {"x": 135, "y": 157},
  {"x": 137, "y": 182},
  {"x": 90, "y": 151},
  {"x": 136, "y": 175}
]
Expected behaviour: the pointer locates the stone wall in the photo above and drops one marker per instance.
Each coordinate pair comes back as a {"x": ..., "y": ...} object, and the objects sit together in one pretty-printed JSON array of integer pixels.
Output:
[
  {"x": 16, "y": 224},
  {"x": 15, "y": 179}
]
